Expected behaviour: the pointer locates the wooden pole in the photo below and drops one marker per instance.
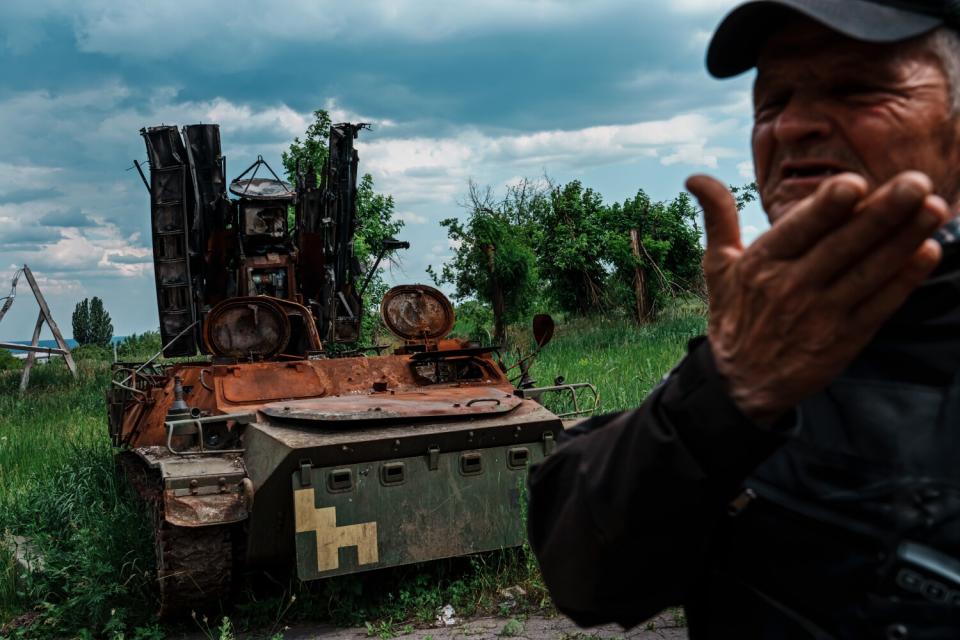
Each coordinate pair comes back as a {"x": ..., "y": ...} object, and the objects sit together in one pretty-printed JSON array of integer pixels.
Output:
[
  {"x": 26, "y": 347},
  {"x": 45, "y": 311},
  {"x": 31, "y": 355},
  {"x": 496, "y": 297},
  {"x": 639, "y": 282}
]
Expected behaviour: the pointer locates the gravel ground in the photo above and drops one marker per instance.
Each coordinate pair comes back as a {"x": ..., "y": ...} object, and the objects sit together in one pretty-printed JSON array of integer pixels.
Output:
[{"x": 662, "y": 627}]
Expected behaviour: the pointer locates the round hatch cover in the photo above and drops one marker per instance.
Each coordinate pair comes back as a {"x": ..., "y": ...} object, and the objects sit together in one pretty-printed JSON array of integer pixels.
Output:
[
  {"x": 262, "y": 189},
  {"x": 245, "y": 327},
  {"x": 417, "y": 312}
]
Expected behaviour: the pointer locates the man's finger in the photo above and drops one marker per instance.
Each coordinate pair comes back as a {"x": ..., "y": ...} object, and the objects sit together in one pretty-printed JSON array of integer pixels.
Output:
[
  {"x": 886, "y": 258},
  {"x": 877, "y": 220},
  {"x": 815, "y": 216},
  {"x": 873, "y": 311},
  {"x": 720, "y": 217}
]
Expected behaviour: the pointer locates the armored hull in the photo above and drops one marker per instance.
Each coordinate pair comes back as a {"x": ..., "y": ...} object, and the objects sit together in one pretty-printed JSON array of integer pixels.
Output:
[{"x": 327, "y": 467}]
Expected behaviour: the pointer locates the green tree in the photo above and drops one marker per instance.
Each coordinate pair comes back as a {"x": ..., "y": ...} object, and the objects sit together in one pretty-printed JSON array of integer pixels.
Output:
[
  {"x": 91, "y": 323},
  {"x": 669, "y": 248},
  {"x": 81, "y": 322},
  {"x": 375, "y": 211},
  {"x": 570, "y": 248},
  {"x": 493, "y": 259}
]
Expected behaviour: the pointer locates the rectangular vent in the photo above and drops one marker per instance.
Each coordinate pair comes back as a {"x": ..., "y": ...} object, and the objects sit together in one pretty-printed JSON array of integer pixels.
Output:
[
  {"x": 471, "y": 464},
  {"x": 392, "y": 473},
  {"x": 518, "y": 457},
  {"x": 340, "y": 480}
]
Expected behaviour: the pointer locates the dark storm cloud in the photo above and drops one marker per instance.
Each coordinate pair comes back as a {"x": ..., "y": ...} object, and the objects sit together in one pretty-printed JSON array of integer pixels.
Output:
[
  {"x": 21, "y": 196},
  {"x": 28, "y": 237},
  {"x": 66, "y": 218}
]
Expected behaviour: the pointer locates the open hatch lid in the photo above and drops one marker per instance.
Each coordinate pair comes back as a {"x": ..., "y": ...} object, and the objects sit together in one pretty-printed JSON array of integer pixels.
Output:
[{"x": 417, "y": 312}]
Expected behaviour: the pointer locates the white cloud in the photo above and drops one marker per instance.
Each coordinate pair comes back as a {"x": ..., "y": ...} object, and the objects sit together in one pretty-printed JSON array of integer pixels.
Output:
[
  {"x": 745, "y": 169},
  {"x": 702, "y": 6},
  {"x": 410, "y": 217},
  {"x": 436, "y": 169}
]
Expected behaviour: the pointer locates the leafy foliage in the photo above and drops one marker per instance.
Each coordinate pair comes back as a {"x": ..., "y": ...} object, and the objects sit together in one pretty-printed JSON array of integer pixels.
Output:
[
  {"x": 562, "y": 247},
  {"x": 137, "y": 347},
  {"x": 91, "y": 323},
  {"x": 8, "y": 361},
  {"x": 570, "y": 248},
  {"x": 669, "y": 247},
  {"x": 493, "y": 260}
]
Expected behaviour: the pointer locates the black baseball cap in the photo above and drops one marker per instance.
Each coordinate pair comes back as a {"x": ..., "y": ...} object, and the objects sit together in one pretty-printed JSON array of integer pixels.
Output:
[{"x": 737, "y": 41}]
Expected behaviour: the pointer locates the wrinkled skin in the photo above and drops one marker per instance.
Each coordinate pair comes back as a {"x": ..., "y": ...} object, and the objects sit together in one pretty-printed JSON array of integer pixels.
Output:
[{"x": 856, "y": 152}]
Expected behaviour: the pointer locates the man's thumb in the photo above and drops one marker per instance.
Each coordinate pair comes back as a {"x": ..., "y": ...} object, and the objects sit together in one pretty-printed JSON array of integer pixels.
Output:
[{"x": 719, "y": 211}]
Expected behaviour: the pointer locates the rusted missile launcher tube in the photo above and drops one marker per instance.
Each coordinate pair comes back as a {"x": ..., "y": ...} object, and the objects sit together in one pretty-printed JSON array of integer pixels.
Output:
[{"x": 277, "y": 452}]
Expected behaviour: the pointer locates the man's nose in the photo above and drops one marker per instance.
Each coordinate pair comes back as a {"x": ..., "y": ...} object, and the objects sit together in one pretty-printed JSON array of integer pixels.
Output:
[{"x": 802, "y": 119}]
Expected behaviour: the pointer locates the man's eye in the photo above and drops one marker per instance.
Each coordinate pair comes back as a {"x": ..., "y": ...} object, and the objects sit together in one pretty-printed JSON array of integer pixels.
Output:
[
  {"x": 854, "y": 90},
  {"x": 768, "y": 107}
]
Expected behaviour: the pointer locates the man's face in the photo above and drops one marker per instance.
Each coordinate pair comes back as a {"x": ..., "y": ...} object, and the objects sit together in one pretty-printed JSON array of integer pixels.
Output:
[{"x": 825, "y": 104}]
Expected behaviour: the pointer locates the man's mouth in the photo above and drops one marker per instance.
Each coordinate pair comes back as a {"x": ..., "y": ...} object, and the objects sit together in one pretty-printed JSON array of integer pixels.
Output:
[
  {"x": 825, "y": 172},
  {"x": 807, "y": 171}
]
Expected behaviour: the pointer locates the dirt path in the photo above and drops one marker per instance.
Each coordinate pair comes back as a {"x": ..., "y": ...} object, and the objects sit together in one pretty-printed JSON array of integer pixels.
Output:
[{"x": 491, "y": 628}]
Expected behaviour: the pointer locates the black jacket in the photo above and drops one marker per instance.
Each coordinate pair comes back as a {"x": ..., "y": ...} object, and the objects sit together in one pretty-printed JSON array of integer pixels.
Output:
[{"x": 843, "y": 520}]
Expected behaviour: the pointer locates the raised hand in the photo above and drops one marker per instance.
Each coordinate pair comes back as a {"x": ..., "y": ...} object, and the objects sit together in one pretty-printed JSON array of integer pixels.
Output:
[{"x": 789, "y": 313}]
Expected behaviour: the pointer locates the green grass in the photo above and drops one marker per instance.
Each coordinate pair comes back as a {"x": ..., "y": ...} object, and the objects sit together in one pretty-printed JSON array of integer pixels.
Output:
[
  {"x": 623, "y": 361},
  {"x": 59, "y": 488}
]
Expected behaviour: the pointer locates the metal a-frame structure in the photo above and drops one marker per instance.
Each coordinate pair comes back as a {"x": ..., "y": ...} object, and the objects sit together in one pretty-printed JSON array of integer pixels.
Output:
[{"x": 45, "y": 316}]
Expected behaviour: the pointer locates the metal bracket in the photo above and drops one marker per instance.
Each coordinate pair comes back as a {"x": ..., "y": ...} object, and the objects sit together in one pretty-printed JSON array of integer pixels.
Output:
[
  {"x": 549, "y": 443},
  {"x": 195, "y": 426},
  {"x": 433, "y": 458},
  {"x": 536, "y": 394},
  {"x": 305, "y": 475}
]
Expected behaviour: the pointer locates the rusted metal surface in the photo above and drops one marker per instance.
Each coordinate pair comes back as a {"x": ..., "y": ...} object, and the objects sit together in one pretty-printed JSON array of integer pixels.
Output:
[
  {"x": 230, "y": 388},
  {"x": 262, "y": 189},
  {"x": 204, "y": 510},
  {"x": 543, "y": 327},
  {"x": 241, "y": 327},
  {"x": 417, "y": 312},
  {"x": 441, "y": 402}
]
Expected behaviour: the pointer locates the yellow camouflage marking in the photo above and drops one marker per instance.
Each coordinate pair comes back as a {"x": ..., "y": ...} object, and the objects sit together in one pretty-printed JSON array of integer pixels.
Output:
[{"x": 330, "y": 537}]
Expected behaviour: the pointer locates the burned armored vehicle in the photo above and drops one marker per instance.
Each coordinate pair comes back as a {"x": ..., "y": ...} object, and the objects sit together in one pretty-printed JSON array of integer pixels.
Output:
[{"x": 267, "y": 444}]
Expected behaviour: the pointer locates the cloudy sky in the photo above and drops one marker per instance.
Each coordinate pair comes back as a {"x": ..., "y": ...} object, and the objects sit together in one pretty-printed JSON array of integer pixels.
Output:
[{"x": 609, "y": 91}]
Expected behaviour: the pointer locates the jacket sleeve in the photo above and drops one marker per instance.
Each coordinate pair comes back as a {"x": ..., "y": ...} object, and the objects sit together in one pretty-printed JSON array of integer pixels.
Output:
[{"x": 621, "y": 515}]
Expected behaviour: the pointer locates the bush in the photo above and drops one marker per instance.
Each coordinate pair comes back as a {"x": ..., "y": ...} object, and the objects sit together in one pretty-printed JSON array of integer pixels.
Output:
[
  {"x": 9, "y": 362},
  {"x": 92, "y": 352},
  {"x": 136, "y": 347}
]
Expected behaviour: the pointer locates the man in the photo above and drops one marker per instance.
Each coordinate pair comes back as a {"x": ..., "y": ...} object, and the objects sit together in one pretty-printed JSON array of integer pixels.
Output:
[{"x": 798, "y": 474}]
